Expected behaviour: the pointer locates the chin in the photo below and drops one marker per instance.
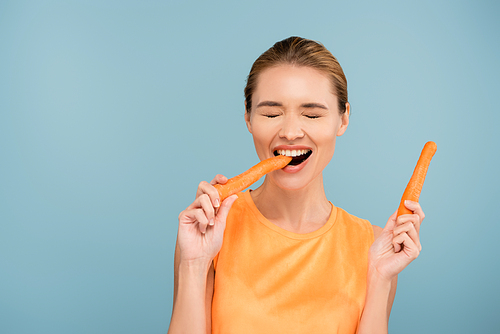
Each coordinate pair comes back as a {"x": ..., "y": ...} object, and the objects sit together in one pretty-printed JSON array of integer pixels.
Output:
[{"x": 294, "y": 182}]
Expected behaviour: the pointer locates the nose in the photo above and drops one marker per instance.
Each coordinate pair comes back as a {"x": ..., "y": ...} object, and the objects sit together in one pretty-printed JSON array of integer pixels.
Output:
[{"x": 291, "y": 128}]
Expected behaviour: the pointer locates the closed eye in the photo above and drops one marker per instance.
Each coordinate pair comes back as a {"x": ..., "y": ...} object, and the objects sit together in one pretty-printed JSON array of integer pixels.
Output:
[
  {"x": 271, "y": 116},
  {"x": 312, "y": 116}
]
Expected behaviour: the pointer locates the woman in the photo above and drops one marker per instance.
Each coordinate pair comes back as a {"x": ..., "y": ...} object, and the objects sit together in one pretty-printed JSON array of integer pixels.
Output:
[{"x": 282, "y": 258}]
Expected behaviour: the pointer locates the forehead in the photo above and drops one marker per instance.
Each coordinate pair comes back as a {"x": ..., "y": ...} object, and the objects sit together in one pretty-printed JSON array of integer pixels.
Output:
[{"x": 294, "y": 83}]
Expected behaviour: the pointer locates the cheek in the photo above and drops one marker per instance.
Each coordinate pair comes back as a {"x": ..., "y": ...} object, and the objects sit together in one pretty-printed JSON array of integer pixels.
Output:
[
  {"x": 326, "y": 142},
  {"x": 259, "y": 134},
  {"x": 262, "y": 137},
  {"x": 263, "y": 130}
]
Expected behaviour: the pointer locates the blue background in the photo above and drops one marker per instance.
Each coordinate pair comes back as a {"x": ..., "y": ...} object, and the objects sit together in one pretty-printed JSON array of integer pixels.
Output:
[{"x": 112, "y": 112}]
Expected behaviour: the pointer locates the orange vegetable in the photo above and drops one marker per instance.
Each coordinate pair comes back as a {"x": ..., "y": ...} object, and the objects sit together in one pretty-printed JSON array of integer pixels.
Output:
[
  {"x": 414, "y": 187},
  {"x": 246, "y": 179}
]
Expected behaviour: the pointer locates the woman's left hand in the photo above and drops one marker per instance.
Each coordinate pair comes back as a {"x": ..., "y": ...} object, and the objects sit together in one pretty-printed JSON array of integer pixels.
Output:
[{"x": 398, "y": 244}]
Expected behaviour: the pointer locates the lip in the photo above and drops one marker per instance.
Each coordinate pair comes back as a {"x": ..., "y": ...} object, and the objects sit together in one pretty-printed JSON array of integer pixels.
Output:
[{"x": 297, "y": 168}]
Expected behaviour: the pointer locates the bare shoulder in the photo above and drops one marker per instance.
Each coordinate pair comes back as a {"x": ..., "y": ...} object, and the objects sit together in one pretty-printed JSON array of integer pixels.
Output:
[{"x": 377, "y": 230}]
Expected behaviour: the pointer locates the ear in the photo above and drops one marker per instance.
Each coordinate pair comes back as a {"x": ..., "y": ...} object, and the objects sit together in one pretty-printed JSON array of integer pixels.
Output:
[
  {"x": 345, "y": 119},
  {"x": 247, "y": 119}
]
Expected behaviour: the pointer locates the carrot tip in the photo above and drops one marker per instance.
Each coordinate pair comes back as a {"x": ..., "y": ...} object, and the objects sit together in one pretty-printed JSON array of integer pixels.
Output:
[{"x": 414, "y": 187}]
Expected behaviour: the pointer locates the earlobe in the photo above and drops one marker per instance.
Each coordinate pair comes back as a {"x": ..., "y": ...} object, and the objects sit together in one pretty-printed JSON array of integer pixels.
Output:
[
  {"x": 344, "y": 119},
  {"x": 247, "y": 120}
]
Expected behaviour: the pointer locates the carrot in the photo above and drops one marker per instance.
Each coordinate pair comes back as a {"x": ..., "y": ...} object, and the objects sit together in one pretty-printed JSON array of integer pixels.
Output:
[
  {"x": 414, "y": 187},
  {"x": 246, "y": 179}
]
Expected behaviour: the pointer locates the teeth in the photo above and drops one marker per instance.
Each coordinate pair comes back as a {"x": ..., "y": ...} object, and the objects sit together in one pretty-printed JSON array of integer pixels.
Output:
[{"x": 292, "y": 153}]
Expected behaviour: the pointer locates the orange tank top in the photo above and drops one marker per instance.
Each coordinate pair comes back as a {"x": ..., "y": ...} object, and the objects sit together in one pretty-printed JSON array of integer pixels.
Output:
[{"x": 270, "y": 280}]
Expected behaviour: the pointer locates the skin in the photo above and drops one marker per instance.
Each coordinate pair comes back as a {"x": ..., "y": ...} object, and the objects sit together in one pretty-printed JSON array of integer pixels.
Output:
[{"x": 293, "y": 107}]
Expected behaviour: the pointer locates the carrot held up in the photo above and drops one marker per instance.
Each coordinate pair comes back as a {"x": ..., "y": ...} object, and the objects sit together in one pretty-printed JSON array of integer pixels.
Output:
[
  {"x": 246, "y": 179},
  {"x": 414, "y": 187}
]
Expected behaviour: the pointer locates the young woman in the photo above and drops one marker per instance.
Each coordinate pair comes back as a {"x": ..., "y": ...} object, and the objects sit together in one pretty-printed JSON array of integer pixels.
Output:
[{"x": 282, "y": 258}]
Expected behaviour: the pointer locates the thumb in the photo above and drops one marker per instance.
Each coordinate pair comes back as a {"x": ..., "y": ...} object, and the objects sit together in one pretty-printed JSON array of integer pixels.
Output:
[
  {"x": 391, "y": 222},
  {"x": 224, "y": 210}
]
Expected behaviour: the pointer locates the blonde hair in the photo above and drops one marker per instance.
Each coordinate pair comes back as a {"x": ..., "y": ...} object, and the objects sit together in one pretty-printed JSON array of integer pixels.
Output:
[{"x": 299, "y": 51}]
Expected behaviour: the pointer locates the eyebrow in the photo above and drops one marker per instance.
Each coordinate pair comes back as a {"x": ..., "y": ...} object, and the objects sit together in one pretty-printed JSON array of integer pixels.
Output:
[
  {"x": 269, "y": 104},
  {"x": 314, "y": 105},
  {"x": 279, "y": 104}
]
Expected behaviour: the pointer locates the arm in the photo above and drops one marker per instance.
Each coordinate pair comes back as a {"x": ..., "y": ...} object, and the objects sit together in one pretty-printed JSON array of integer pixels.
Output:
[
  {"x": 199, "y": 239},
  {"x": 380, "y": 294},
  {"x": 394, "y": 248},
  {"x": 193, "y": 307},
  {"x": 190, "y": 314}
]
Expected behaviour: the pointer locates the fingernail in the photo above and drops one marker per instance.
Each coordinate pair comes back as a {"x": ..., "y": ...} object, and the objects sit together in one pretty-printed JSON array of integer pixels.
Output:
[
  {"x": 211, "y": 222},
  {"x": 217, "y": 203}
]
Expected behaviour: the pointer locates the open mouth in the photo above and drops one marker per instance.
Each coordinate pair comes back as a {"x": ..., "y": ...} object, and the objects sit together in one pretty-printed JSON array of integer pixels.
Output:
[{"x": 298, "y": 156}]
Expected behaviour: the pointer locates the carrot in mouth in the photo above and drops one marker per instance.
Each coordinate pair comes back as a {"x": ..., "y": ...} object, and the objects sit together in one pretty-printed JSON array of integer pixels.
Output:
[{"x": 246, "y": 179}]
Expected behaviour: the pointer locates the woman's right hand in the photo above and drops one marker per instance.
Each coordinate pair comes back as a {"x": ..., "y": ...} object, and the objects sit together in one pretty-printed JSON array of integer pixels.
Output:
[{"x": 202, "y": 224}]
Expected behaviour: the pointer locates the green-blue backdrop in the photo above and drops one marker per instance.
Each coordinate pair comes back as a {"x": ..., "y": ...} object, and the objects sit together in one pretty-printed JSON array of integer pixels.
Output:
[{"x": 112, "y": 112}]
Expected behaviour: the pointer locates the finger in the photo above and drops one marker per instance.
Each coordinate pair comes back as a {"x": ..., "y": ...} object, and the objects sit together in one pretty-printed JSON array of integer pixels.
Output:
[
  {"x": 416, "y": 208},
  {"x": 391, "y": 222},
  {"x": 410, "y": 249},
  {"x": 223, "y": 211},
  {"x": 208, "y": 208},
  {"x": 410, "y": 229},
  {"x": 413, "y": 218},
  {"x": 202, "y": 220},
  {"x": 397, "y": 246},
  {"x": 194, "y": 216},
  {"x": 196, "y": 203},
  {"x": 206, "y": 188},
  {"x": 219, "y": 179}
]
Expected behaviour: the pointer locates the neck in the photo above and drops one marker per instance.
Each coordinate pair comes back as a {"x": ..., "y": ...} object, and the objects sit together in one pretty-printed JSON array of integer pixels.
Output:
[{"x": 300, "y": 210}]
